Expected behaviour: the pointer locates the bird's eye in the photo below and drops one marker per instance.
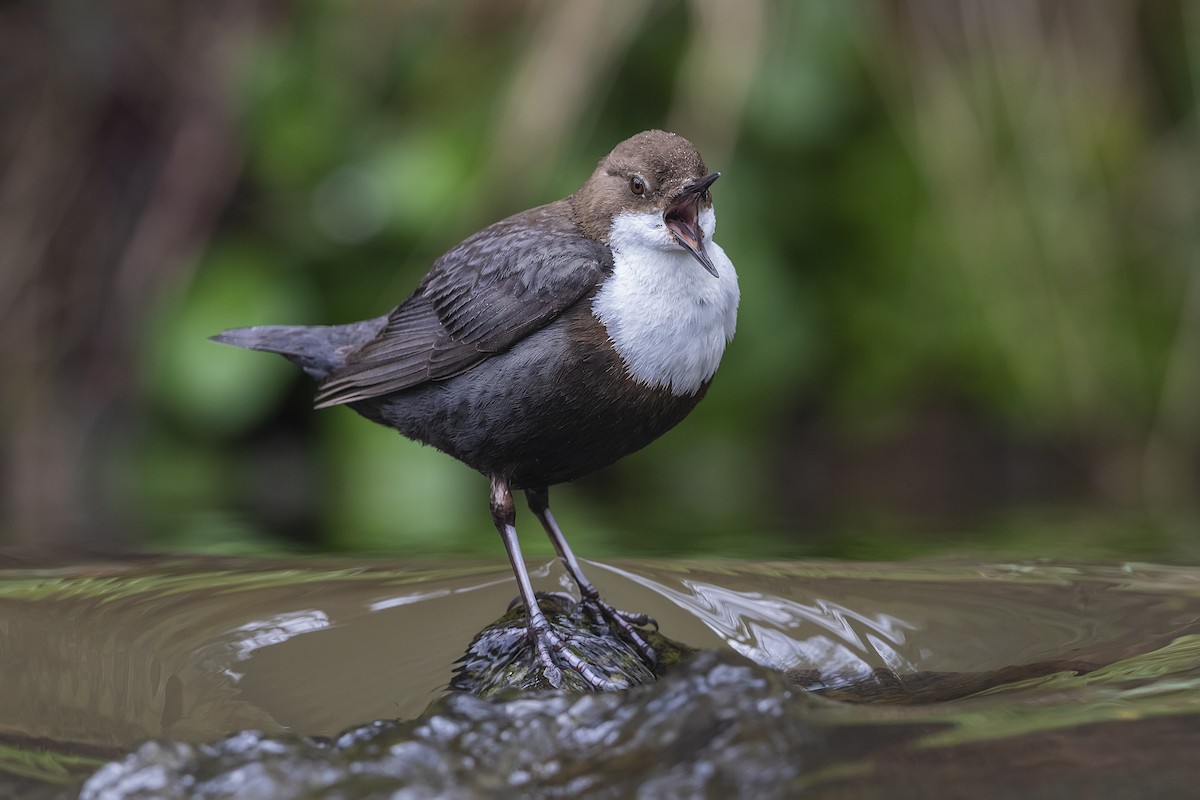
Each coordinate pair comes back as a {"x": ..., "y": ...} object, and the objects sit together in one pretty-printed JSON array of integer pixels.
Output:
[{"x": 637, "y": 185}]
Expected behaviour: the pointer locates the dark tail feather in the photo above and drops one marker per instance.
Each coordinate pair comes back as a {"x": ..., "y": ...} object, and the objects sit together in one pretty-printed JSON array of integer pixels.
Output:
[{"x": 316, "y": 349}]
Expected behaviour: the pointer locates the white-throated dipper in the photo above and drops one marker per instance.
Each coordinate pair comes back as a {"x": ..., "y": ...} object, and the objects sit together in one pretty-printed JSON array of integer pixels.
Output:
[{"x": 547, "y": 346}]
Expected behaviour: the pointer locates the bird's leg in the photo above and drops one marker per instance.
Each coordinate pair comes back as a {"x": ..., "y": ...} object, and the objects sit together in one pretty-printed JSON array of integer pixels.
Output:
[
  {"x": 545, "y": 639},
  {"x": 539, "y": 503}
]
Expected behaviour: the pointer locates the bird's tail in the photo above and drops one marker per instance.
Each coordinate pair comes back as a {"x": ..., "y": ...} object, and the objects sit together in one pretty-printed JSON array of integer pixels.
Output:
[{"x": 316, "y": 349}]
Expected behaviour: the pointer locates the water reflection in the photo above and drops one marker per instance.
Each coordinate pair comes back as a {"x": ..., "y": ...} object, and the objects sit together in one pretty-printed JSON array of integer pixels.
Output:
[
  {"x": 105, "y": 656},
  {"x": 848, "y": 621},
  {"x": 253, "y": 636},
  {"x": 777, "y": 632},
  {"x": 415, "y": 596}
]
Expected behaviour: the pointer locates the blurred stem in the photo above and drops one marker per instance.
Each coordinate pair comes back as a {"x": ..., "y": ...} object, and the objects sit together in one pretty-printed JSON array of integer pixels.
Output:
[
  {"x": 1169, "y": 473},
  {"x": 572, "y": 48},
  {"x": 1008, "y": 109},
  {"x": 94, "y": 223},
  {"x": 723, "y": 58}
]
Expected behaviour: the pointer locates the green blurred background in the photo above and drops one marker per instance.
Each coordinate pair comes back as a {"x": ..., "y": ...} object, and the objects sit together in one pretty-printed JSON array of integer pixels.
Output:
[{"x": 968, "y": 236}]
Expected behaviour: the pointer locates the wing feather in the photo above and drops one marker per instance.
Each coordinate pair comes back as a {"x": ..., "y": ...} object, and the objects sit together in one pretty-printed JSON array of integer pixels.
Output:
[{"x": 479, "y": 299}]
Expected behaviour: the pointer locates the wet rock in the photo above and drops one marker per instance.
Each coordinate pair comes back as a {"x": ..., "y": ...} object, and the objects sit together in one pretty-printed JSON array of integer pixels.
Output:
[
  {"x": 500, "y": 657},
  {"x": 717, "y": 726}
]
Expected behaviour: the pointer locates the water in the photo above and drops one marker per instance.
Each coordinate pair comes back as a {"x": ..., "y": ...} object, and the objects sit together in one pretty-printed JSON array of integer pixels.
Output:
[{"x": 97, "y": 658}]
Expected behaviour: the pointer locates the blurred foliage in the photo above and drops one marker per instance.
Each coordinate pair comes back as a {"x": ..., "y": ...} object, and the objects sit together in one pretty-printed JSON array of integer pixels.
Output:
[{"x": 967, "y": 235}]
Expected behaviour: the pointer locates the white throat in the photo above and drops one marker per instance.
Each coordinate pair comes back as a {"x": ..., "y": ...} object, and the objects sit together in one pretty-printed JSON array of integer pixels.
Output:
[{"x": 667, "y": 317}]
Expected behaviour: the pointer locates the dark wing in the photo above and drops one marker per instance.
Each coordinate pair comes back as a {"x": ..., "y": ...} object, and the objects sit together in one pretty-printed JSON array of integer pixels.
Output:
[{"x": 479, "y": 299}]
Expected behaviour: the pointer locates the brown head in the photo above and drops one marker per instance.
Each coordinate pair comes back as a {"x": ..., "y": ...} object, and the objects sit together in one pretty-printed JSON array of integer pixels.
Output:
[{"x": 651, "y": 171}]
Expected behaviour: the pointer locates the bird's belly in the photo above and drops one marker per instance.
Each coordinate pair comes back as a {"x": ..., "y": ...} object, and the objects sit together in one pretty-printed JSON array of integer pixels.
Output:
[
  {"x": 667, "y": 317},
  {"x": 555, "y": 407}
]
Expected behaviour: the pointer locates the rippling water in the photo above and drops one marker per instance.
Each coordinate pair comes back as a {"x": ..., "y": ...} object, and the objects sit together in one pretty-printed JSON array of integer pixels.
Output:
[{"x": 97, "y": 658}]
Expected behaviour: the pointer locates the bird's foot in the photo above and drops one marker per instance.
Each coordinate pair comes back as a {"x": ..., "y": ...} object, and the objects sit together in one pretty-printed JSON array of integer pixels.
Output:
[
  {"x": 627, "y": 622},
  {"x": 549, "y": 645}
]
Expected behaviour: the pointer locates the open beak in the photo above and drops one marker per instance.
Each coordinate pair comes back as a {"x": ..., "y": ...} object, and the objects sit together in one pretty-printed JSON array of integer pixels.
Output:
[{"x": 683, "y": 219}]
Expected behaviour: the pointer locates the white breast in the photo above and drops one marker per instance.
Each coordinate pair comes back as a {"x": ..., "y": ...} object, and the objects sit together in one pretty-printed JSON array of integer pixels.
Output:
[{"x": 667, "y": 317}]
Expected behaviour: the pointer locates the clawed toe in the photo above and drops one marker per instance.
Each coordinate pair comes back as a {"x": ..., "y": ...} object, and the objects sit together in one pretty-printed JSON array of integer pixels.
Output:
[
  {"x": 627, "y": 622},
  {"x": 634, "y": 618},
  {"x": 550, "y": 645}
]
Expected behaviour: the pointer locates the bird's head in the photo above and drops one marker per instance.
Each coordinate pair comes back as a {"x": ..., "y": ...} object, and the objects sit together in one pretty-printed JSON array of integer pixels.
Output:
[{"x": 654, "y": 188}]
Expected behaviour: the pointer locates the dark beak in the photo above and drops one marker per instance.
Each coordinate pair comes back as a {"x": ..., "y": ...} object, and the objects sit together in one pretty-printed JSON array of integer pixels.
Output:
[{"x": 683, "y": 219}]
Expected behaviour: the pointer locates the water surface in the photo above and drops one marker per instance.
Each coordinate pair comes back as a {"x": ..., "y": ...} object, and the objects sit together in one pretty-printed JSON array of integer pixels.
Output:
[{"x": 99, "y": 657}]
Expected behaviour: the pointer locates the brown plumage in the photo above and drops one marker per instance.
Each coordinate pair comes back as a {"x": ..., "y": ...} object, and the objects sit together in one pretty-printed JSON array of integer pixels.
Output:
[{"x": 498, "y": 357}]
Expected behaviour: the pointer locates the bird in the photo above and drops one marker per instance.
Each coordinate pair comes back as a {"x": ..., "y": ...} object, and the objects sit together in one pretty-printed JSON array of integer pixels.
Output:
[{"x": 546, "y": 346}]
